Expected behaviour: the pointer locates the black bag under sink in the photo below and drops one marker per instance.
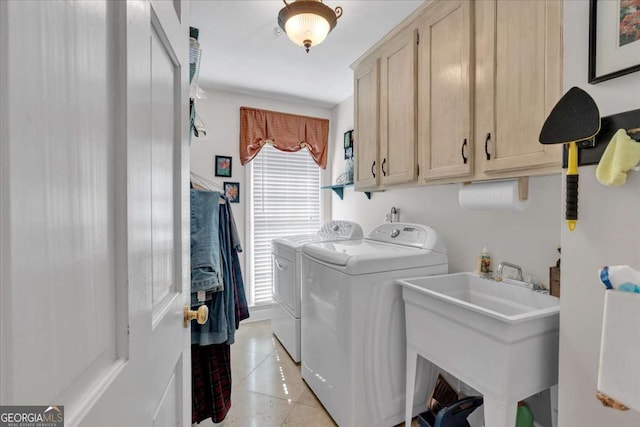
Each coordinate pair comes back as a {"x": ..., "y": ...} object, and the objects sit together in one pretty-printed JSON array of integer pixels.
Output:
[{"x": 454, "y": 415}]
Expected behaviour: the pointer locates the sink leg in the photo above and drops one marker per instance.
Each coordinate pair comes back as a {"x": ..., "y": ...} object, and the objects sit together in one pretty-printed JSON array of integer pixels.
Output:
[
  {"x": 412, "y": 359},
  {"x": 499, "y": 414},
  {"x": 553, "y": 394}
]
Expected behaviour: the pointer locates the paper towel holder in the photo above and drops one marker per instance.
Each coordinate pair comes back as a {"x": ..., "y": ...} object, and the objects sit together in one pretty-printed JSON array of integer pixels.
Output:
[{"x": 523, "y": 186}]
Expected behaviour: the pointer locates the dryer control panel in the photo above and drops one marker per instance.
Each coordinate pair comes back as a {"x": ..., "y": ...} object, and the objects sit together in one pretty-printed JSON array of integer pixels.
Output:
[
  {"x": 415, "y": 235},
  {"x": 342, "y": 229}
]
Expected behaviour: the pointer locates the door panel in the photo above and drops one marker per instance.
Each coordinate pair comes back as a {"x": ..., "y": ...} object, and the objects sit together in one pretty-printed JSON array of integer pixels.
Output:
[
  {"x": 284, "y": 281},
  {"x": 57, "y": 199},
  {"x": 94, "y": 210},
  {"x": 446, "y": 51},
  {"x": 519, "y": 94},
  {"x": 444, "y": 86},
  {"x": 164, "y": 77},
  {"x": 166, "y": 414},
  {"x": 366, "y": 135},
  {"x": 526, "y": 67},
  {"x": 398, "y": 101}
]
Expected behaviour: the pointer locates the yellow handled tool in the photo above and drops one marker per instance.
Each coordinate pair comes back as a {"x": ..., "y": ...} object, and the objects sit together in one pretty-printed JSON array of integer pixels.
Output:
[
  {"x": 574, "y": 118},
  {"x": 571, "y": 214}
]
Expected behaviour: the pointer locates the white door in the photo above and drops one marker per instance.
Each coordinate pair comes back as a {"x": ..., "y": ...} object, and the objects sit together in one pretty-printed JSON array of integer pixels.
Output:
[{"x": 94, "y": 205}]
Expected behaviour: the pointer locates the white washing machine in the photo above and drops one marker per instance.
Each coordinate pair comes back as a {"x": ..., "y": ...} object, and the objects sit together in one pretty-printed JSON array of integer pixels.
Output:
[
  {"x": 353, "y": 333},
  {"x": 285, "y": 316}
]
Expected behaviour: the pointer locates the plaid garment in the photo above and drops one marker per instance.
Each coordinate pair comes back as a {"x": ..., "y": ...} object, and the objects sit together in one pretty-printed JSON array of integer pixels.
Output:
[{"x": 211, "y": 382}]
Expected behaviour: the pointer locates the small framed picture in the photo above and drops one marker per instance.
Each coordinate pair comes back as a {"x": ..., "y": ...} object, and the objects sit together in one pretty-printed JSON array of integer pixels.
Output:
[
  {"x": 223, "y": 166},
  {"x": 348, "y": 145},
  {"x": 232, "y": 191},
  {"x": 348, "y": 139},
  {"x": 614, "y": 39},
  {"x": 348, "y": 153}
]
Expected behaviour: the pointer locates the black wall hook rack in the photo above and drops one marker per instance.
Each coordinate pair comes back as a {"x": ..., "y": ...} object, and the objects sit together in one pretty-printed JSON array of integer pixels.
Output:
[{"x": 590, "y": 153}]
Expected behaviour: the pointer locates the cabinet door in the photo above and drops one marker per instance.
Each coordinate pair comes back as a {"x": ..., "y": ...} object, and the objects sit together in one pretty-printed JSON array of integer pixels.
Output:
[
  {"x": 366, "y": 104},
  {"x": 444, "y": 96},
  {"x": 398, "y": 99},
  {"x": 519, "y": 78}
]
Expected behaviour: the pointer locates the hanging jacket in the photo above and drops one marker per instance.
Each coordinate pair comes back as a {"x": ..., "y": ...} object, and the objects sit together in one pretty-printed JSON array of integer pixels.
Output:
[{"x": 242, "y": 308}]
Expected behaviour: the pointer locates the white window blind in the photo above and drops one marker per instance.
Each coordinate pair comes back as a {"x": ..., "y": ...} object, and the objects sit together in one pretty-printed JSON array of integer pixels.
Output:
[{"x": 285, "y": 200}]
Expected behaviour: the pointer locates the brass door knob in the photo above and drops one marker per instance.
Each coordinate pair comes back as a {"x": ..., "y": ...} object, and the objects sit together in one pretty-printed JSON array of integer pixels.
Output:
[{"x": 201, "y": 315}]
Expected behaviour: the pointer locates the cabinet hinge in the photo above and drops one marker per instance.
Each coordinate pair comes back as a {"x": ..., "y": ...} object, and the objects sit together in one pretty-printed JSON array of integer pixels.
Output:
[
  {"x": 417, "y": 38},
  {"x": 417, "y": 170}
]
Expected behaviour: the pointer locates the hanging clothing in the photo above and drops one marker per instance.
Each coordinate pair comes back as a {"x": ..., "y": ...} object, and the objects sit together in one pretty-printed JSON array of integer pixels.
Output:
[
  {"x": 211, "y": 382},
  {"x": 229, "y": 307},
  {"x": 205, "y": 243},
  {"x": 241, "y": 305},
  {"x": 210, "y": 343}
]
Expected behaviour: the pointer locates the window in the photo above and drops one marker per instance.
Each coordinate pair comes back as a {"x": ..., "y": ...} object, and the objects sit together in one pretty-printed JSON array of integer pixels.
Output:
[{"x": 285, "y": 200}]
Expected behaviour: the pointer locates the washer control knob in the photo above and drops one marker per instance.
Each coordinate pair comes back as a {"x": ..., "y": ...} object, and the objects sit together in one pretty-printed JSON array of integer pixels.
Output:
[{"x": 395, "y": 232}]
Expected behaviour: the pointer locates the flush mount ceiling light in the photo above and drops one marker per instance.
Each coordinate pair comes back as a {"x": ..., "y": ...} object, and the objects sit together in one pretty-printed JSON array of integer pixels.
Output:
[{"x": 307, "y": 22}]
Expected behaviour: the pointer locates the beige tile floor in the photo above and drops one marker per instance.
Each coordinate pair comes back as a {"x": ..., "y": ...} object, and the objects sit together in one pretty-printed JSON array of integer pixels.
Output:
[{"x": 268, "y": 390}]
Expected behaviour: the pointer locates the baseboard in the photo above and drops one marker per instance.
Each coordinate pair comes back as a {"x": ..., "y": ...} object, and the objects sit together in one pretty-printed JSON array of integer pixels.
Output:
[{"x": 258, "y": 313}]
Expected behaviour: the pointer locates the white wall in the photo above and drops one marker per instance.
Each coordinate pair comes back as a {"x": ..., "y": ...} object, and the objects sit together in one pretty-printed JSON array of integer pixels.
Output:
[
  {"x": 608, "y": 233},
  {"x": 220, "y": 112},
  {"x": 528, "y": 238}
]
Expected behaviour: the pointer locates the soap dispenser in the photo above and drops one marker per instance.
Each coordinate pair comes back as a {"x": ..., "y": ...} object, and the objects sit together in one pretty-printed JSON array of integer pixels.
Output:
[{"x": 484, "y": 262}]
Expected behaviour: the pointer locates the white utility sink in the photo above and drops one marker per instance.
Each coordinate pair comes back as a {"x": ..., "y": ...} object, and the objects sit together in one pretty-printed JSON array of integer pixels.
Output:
[
  {"x": 506, "y": 301},
  {"x": 498, "y": 337}
]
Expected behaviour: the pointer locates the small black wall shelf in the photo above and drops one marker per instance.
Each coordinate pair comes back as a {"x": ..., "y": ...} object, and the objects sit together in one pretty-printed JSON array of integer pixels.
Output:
[{"x": 339, "y": 189}]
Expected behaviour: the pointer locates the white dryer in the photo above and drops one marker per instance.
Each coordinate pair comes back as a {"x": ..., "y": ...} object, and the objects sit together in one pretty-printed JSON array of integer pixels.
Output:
[
  {"x": 285, "y": 289},
  {"x": 353, "y": 333}
]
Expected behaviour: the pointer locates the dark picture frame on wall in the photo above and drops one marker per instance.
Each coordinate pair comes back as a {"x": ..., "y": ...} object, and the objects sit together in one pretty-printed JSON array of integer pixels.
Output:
[
  {"x": 232, "y": 191},
  {"x": 223, "y": 166},
  {"x": 348, "y": 144},
  {"x": 614, "y": 39}
]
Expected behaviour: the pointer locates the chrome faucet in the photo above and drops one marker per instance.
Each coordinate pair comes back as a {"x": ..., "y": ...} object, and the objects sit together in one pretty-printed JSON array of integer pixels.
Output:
[{"x": 513, "y": 266}]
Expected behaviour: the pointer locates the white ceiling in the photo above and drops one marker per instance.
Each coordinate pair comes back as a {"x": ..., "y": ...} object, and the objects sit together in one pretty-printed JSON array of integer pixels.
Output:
[{"x": 241, "y": 51}]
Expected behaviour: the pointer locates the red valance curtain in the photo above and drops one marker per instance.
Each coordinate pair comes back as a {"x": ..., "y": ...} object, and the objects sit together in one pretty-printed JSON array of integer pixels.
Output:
[{"x": 286, "y": 132}]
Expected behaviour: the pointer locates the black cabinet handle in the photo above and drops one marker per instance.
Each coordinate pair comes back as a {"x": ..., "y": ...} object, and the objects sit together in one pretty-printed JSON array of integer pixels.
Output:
[
  {"x": 486, "y": 146},
  {"x": 373, "y": 165},
  {"x": 384, "y": 173},
  {"x": 464, "y": 158}
]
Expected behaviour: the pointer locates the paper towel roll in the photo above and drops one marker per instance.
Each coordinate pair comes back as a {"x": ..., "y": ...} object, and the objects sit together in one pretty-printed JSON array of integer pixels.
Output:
[{"x": 493, "y": 195}]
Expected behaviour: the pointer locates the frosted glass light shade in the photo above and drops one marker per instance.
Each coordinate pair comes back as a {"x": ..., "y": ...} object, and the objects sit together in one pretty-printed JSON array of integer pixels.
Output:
[
  {"x": 307, "y": 27},
  {"x": 307, "y": 22}
]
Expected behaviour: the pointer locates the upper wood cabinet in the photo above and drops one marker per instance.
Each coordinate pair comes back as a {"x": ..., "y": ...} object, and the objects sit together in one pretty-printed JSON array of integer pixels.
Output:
[
  {"x": 518, "y": 81},
  {"x": 366, "y": 129},
  {"x": 398, "y": 103},
  {"x": 444, "y": 94},
  {"x": 460, "y": 88},
  {"x": 385, "y": 102}
]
